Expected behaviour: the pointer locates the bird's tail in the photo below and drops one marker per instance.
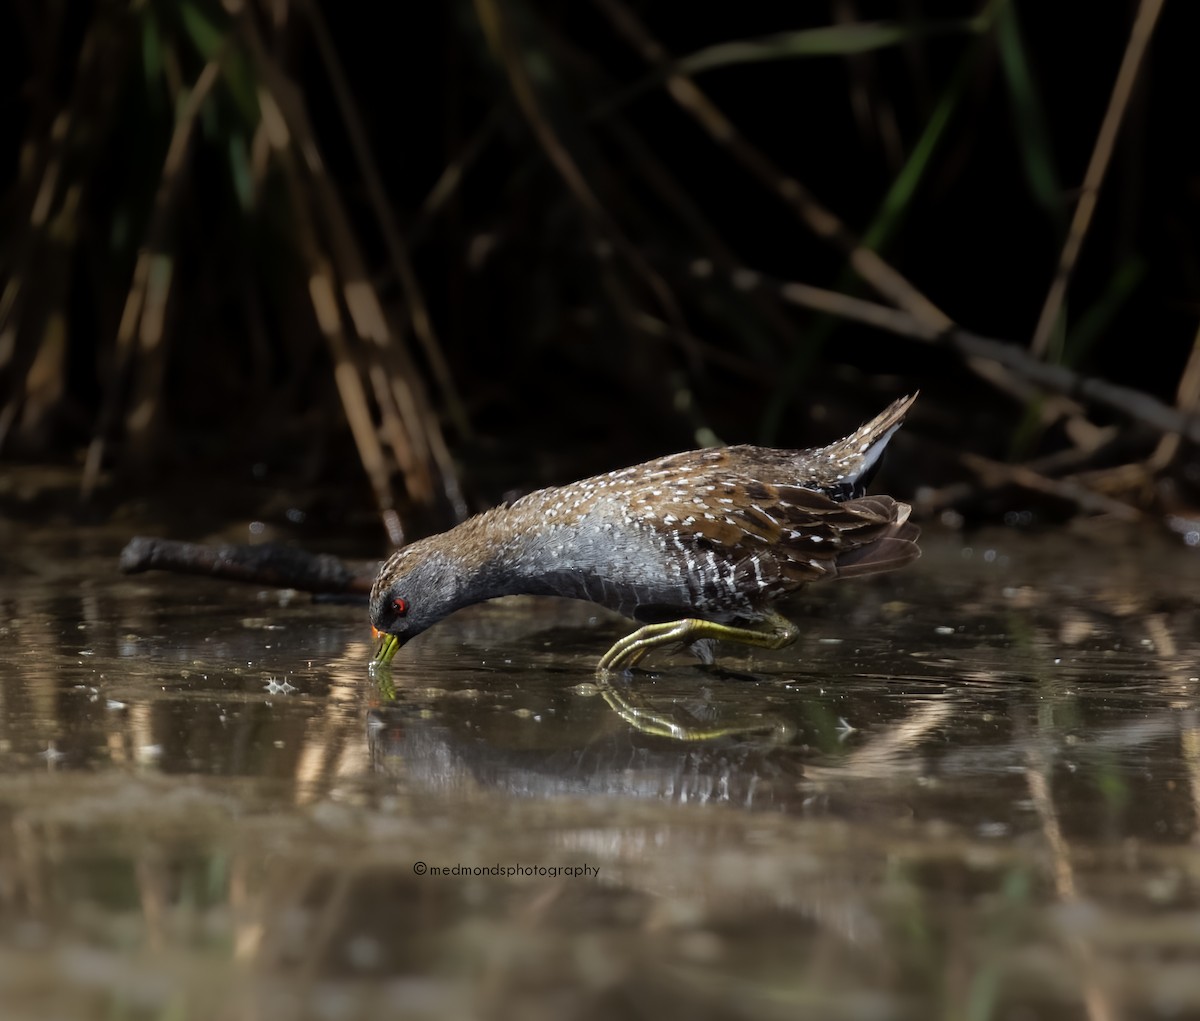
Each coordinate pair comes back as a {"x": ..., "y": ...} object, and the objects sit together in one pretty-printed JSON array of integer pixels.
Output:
[{"x": 858, "y": 455}]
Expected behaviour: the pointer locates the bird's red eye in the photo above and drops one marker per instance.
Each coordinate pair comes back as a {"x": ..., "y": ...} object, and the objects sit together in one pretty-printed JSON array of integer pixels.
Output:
[{"x": 400, "y": 606}]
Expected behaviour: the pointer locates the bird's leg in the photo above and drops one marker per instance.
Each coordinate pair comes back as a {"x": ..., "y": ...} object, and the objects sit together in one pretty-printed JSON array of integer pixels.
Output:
[{"x": 773, "y": 632}]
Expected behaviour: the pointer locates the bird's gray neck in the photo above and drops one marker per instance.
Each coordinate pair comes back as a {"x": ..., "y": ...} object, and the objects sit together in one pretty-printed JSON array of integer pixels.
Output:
[
  {"x": 526, "y": 555},
  {"x": 501, "y": 554}
]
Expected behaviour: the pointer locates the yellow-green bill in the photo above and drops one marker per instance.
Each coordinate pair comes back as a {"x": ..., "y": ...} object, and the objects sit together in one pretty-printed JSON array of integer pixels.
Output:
[{"x": 388, "y": 645}]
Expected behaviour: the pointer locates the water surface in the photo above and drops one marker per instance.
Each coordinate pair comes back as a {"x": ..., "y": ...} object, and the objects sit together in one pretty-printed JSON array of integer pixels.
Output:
[{"x": 969, "y": 791}]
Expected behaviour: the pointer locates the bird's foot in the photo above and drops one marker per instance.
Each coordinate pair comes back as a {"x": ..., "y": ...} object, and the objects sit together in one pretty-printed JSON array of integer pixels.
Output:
[{"x": 773, "y": 632}]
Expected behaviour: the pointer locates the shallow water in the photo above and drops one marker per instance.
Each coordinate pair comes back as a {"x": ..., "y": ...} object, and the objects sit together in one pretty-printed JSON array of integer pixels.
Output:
[{"x": 971, "y": 790}]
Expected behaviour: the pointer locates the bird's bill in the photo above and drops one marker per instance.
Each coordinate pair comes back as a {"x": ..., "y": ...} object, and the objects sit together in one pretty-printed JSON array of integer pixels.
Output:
[{"x": 388, "y": 645}]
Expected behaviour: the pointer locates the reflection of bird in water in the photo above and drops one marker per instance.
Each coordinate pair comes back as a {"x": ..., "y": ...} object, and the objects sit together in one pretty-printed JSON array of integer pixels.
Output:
[{"x": 445, "y": 754}]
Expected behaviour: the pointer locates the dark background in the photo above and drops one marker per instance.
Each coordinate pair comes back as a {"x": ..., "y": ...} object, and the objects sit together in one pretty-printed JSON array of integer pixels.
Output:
[{"x": 564, "y": 352}]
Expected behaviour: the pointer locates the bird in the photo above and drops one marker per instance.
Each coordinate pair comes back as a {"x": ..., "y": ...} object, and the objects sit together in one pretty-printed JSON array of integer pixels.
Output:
[{"x": 695, "y": 547}]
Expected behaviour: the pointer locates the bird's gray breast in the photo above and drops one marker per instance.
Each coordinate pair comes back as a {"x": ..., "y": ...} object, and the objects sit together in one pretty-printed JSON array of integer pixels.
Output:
[{"x": 639, "y": 568}]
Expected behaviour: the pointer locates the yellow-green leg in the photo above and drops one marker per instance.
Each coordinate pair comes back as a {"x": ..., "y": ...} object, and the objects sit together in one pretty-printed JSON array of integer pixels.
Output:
[{"x": 773, "y": 632}]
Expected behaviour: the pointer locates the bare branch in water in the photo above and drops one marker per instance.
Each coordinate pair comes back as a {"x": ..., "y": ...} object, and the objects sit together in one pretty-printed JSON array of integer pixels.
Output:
[{"x": 267, "y": 564}]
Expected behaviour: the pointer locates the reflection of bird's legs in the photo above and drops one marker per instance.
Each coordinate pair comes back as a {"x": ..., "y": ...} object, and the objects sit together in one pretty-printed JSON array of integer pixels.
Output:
[{"x": 658, "y": 724}]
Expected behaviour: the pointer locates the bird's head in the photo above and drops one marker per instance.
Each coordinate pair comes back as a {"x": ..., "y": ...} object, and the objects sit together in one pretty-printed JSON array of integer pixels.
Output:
[{"x": 415, "y": 588}]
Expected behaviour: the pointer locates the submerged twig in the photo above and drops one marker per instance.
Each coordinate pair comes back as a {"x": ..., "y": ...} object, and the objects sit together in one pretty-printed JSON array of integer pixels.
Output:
[{"x": 266, "y": 564}]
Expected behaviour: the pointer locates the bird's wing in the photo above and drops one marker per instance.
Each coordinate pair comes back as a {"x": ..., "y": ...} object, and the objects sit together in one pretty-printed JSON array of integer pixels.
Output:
[{"x": 785, "y": 536}]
